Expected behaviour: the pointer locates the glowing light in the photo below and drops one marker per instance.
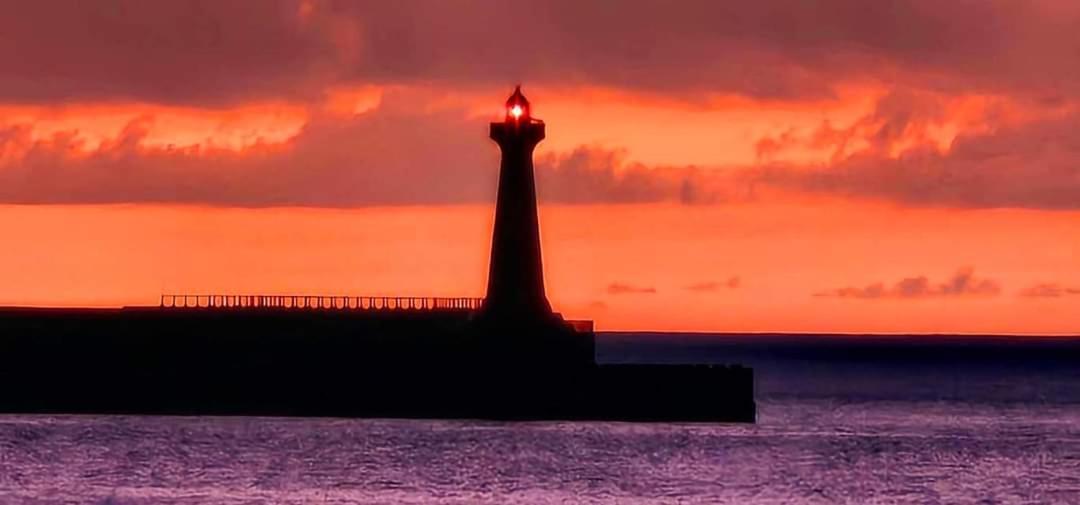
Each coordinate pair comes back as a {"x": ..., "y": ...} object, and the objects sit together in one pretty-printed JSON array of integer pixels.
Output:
[{"x": 516, "y": 111}]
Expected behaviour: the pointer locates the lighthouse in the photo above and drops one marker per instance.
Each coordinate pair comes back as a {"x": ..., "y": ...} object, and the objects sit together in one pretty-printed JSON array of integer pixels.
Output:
[
  {"x": 507, "y": 357},
  {"x": 515, "y": 288}
]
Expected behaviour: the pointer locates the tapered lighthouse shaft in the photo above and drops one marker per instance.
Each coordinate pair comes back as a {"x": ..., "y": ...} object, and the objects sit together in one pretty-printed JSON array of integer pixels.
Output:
[{"x": 515, "y": 288}]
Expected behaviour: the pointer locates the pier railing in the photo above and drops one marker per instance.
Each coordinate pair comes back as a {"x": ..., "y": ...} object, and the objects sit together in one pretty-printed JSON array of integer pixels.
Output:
[{"x": 301, "y": 302}]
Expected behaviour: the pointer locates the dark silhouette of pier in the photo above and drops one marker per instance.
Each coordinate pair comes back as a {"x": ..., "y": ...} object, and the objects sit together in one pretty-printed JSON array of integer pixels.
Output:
[{"x": 505, "y": 356}]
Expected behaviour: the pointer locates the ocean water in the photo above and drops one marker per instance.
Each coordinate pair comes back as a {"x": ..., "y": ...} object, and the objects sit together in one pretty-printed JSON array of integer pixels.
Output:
[{"x": 842, "y": 421}]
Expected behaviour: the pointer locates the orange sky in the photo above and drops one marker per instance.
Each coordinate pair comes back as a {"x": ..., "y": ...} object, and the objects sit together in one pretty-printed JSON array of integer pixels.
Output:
[
  {"x": 780, "y": 169},
  {"x": 781, "y": 254}
]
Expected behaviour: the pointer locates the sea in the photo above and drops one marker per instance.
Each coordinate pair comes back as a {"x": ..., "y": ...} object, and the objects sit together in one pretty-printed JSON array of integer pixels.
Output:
[{"x": 841, "y": 419}]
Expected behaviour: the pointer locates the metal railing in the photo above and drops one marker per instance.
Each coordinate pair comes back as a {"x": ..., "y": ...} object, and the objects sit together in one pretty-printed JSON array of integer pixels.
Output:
[{"x": 320, "y": 302}]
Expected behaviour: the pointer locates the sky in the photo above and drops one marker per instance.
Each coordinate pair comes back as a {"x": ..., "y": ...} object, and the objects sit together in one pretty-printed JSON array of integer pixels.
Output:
[{"x": 786, "y": 165}]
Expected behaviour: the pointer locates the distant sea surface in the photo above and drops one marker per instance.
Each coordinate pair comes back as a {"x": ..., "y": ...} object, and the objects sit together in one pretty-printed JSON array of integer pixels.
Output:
[{"x": 841, "y": 420}]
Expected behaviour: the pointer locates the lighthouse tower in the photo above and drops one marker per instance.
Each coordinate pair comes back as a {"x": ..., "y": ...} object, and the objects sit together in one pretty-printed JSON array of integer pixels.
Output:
[{"x": 515, "y": 290}]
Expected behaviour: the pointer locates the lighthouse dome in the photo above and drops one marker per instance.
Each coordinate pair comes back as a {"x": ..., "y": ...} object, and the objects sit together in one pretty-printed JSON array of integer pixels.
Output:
[{"x": 517, "y": 106}]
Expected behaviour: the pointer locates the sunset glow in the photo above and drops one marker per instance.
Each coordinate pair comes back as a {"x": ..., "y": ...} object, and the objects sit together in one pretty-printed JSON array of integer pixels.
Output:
[{"x": 740, "y": 181}]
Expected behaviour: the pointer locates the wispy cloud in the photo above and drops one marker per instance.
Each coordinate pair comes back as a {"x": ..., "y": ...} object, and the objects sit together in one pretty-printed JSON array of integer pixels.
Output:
[
  {"x": 705, "y": 287},
  {"x": 962, "y": 284},
  {"x": 618, "y": 288},
  {"x": 1049, "y": 290}
]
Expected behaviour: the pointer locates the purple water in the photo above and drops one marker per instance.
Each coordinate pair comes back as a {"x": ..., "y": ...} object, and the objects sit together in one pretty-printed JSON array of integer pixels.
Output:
[{"x": 829, "y": 432}]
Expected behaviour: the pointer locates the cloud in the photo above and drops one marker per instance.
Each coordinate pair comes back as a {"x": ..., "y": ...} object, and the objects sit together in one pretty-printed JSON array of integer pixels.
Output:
[
  {"x": 1033, "y": 164},
  {"x": 368, "y": 159},
  {"x": 1049, "y": 290},
  {"x": 406, "y": 150},
  {"x": 203, "y": 52},
  {"x": 618, "y": 288},
  {"x": 597, "y": 305},
  {"x": 962, "y": 284},
  {"x": 711, "y": 286},
  {"x": 900, "y": 119},
  {"x": 412, "y": 149},
  {"x": 597, "y": 175},
  {"x": 217, "y": 54},
  {"x": 219, "y": 51}
]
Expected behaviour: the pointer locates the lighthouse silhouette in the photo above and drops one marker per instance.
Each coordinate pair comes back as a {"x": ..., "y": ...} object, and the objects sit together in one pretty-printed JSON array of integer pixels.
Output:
[
  {"x": 439, "y": 358},
  {"x": 515, "y": 290}
]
